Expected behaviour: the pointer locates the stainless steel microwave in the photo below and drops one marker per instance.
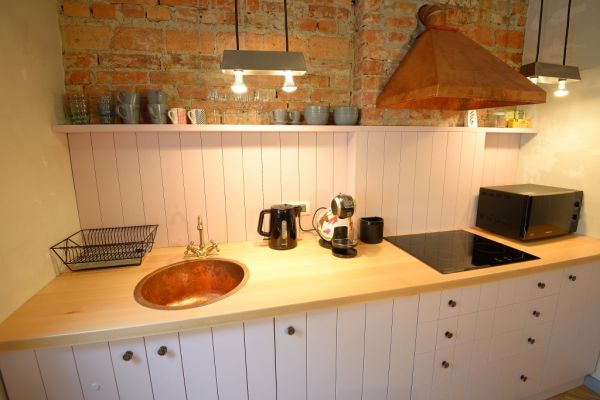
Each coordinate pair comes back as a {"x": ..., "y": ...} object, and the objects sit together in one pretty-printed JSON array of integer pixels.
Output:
[{"x": 528, "y": 212}]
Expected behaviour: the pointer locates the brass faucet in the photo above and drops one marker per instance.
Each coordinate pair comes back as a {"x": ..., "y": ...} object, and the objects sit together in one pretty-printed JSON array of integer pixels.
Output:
[{"x": 200, "y": 250}]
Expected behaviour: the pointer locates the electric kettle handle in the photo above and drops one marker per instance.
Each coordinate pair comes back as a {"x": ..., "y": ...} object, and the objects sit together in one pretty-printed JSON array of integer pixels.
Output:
[{"x": 260, "y": 223}]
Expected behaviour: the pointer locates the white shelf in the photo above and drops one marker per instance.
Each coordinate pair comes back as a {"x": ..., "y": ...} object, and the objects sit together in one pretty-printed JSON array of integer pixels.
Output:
[{"x": 140, "y": 128}]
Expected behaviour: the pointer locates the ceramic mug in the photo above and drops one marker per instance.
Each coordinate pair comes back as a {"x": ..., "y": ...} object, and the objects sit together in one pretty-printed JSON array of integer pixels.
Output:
[
  {"x": 177, "y": 116},
  {"x": 130, "y": 113},
  {"x": 294, "y": 117},
  {"x": 158, "y": 113},
  {"x": 128, "y": 98},
  {"x": 197, "y": 116},
  {"x": 279, "y": 116},
  {"x": 156, "y": 97}
]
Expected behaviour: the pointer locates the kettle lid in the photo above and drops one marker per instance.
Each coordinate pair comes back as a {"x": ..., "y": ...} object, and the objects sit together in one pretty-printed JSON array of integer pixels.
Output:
[{"x": 283, "y": 207}]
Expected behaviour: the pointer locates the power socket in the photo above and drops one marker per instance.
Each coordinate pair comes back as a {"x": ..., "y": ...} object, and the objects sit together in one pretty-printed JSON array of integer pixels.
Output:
[{"x": 304, "y": 203}]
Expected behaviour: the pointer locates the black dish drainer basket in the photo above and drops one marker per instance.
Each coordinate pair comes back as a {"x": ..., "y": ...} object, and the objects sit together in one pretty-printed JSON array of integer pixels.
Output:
[{"x": 106, "y": 247}]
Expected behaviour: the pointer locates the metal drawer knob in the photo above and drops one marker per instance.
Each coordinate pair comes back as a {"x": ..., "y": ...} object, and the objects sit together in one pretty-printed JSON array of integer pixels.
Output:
[
  {"x": 449, "y": 334},
  {"x": 531, "y": 340},
  {"x": 452, "y": 303},
  {"x": 524, "y": 378},
  {"x": 541, "y": 285},
  {"x": 291, "y": 330},
  {"x": 573, "y": 278},
  {"x": 445, "y": 364},
  {"x": 536, "y": 313},
  {"x": 162, "y": 350},
  {"x": 128, "y": 355}
]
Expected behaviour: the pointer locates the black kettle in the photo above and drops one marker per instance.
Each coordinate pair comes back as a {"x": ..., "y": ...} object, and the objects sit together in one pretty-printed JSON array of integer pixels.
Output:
[{"x": 282, "y": 231}]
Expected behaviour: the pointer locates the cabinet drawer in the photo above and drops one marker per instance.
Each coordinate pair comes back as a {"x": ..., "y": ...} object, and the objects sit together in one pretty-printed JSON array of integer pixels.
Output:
[
  {"x": 536, "y": 337},
  {"x": 545, "y": 284},
  {"x": 540, "y": 311}
]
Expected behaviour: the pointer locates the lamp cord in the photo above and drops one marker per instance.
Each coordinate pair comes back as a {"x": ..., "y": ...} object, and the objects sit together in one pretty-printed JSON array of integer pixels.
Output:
[
  {"x": 237, "y": 35},
  {"x": 286, "y": 28},
  {"x": 567, "y": 32},
  {"x": 537, "y": 50}
]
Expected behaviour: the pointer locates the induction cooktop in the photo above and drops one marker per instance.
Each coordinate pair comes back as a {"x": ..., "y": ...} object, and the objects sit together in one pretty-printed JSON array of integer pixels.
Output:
[{"x": 457, "y": 251}]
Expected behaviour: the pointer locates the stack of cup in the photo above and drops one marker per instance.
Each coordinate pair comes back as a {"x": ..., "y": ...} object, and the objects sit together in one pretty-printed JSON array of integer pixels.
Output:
[
  {"x": 129, "y": 107},
  {"x": 157, "y": 106}
]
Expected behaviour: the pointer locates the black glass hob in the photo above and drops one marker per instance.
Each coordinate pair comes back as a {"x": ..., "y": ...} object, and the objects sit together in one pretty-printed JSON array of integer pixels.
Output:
[{"x": 457, "y": 251}]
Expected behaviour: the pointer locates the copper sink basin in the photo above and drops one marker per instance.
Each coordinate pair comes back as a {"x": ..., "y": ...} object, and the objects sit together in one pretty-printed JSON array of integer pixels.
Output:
[{"x": 189, "y": 284}]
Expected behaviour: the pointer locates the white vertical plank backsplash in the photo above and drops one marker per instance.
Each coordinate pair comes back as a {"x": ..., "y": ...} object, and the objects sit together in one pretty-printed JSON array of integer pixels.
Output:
[{"x": 417, "y": 179}]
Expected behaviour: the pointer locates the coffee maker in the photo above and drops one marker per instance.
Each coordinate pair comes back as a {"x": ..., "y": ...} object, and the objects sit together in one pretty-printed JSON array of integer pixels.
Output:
[
  {"x": 336, "y": 229},
  {"x": 282, "y": 231}
]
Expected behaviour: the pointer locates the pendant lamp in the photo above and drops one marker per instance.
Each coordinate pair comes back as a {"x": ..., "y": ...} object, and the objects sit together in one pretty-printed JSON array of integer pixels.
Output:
[
  {"x": 261, "y": 62},
  {"x": 557, "y": 74}
]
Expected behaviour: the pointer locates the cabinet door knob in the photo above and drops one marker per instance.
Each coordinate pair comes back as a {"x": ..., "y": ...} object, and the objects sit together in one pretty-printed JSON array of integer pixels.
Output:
[
  {"x": 291, "y": 330},
  {"x": 451, "y": 303},
  {"x": 162, "y": 350},
  {"x": 445, "y": 364},
  {"x": 531, "y": 340},
  {"x": 573, "y": 278},
  {"x": 524, "y": 378},
  {"x": 536, "y": 313},
  {"x": 128, "y": 355},
  {"x": 449, "y": 334},
  {"x": 541, "y": 285}
]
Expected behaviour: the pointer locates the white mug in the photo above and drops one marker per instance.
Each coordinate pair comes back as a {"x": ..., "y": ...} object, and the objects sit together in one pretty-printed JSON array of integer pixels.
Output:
[
  {"x": 197, "y": 116},
  {"x": 177, "y": 116}
]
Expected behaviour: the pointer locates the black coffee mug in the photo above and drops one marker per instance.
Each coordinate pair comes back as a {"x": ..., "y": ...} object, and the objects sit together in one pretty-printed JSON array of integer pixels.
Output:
[{"x": 371, "y": 230}]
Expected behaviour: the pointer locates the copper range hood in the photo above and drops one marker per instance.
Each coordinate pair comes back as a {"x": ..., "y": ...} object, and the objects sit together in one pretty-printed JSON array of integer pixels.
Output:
[{"x": 445, "y": 70}]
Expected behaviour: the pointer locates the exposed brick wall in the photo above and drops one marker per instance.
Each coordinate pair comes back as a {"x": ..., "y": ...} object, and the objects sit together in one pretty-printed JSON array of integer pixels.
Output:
[{"x": 350, "y": 50}]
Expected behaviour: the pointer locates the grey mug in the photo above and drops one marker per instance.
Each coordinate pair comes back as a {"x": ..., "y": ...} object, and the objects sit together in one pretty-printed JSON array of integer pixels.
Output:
[
  {"x": 128, "y": 98},
  {"x": 158, "y": 113},
  {"x": 129, "y": 113},
  {"x": 156, "y": 97}
]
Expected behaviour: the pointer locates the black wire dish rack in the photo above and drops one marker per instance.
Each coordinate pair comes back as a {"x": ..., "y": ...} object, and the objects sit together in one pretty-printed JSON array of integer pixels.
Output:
[{"x": 106, "y": 247}]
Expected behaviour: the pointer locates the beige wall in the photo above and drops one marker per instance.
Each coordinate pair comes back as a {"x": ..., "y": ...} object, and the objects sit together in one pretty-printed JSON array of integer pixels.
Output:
[
  {"x": 566, "y": 151},
  {"x": 37, "y": 202}
]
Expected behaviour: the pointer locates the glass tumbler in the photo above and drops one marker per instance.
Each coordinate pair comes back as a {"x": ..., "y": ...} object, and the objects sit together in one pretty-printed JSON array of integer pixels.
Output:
[
  {"x": 77, "y": 109},
  {"x": 106, "y": 110}
]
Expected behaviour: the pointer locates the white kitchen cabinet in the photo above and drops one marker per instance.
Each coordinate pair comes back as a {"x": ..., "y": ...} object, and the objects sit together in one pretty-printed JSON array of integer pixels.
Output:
[
  {"x": 290, "y": 355},
  {"x": 59, "y": 373},
  {"x": 260, "y": 359},
  {"x": 164, "y": 363},
  {"x": 230, "y": 362},
  {"x": 96, "y": 371},
  {"x": 197, "y": 358},
  {"x": 574, "y": 343},
  {"x": 350, "y": 351},
  {"x": 402, "y": 349},
  {"x": 131, "y": 369},
  {"x": 378, "y": 330},
  {"x": 321, "y": 329},
  {"x": 21, "y": 375}
]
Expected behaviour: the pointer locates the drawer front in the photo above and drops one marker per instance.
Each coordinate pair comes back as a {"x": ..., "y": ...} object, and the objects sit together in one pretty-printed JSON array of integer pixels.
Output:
[{"x": 540, "y": 311}]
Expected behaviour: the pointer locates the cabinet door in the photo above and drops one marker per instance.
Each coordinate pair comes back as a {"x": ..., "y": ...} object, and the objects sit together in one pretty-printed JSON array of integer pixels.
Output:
[
  {"x": 21, "y": 375},
  {"x": 378, "y": 328},
  {"x": 96, "y": 371},
  {"x": 59, "y": 373},
  {"x": 350, "y": 351},
  {"x": 290, "y": 353},
  {"x": 198, "y": 362},
  {"x": 164, "y": 362},
  {"x": 131, "y": 369},
  {"x": 321, "y": 328},
  {"x": 230, "y": 362},
  {"x": 402, "y": 351},
  {"x": 260, "y": 359}
]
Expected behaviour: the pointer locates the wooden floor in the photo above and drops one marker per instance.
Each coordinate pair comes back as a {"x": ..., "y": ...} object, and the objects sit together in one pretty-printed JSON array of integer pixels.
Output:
[{"x": 579, "y": 393}]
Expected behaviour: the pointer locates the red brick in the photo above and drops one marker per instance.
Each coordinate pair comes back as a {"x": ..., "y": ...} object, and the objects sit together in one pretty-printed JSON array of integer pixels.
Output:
[
  {"x": 335, "y": 96},
  {"x": 371, "y": 67},
  {"x": 187, "y": 14},
  {"x": 510, "y": 39},
  {"x": 374, "y": 116},
  {"x": 483, "y": 35},
  {"x": 127, "y": 38},
  {"x": 322, "y": 11},
  {"x": 312, "y": 80},
  {"x": 121, "y": 77},
  {"x": 327, "y": 26},
  {"x": 371, "y": 36},
  {"x": 307, "y": 24},
  {"x": 252, "y": 6},
  {"x": 191, "y": 61},
  {"x": 86, "y": 37},
  {"x": 147, "y": 2},
  {"x": 190, "y": 40},
  {"x": 78, "y": 77},
  {"x": 328, "y": 48},
  {"x": 137, "y": 61},
  {"x": 192, "y": 92},
  {"x": 173, "y": 78},
  {"x": 104, "y": 11},
  {"x": 132, "y": 11},
  {"x": 80, "y": 60},
  {"x": 213, "y": 17},
  {"x": 158, "y": 13},
  {"x": 179, "y": 2},
  {"x": 75, "y": 9},
  {"x": 400, "y": 22},
  {"x": 397, "y": 37}
]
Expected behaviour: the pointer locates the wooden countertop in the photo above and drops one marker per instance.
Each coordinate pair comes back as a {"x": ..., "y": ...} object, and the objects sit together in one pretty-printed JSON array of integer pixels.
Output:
[{"x": 98, "y": 305}]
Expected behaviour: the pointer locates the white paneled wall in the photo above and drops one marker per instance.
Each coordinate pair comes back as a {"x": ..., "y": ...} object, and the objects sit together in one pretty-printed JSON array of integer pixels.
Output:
[{"x": 417, "y": 179}]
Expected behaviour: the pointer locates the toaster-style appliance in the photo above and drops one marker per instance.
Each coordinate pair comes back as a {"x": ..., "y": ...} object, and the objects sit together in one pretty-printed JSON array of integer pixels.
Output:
[{"x": 528, "y": 212}]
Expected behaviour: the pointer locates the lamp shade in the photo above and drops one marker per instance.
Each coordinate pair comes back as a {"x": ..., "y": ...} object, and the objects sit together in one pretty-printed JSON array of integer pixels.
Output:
[{"x": 261, "y": 62}]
